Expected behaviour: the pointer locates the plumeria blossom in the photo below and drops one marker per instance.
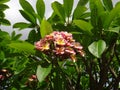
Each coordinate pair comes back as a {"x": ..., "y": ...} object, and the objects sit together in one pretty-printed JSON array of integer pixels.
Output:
[{"x": 60, "y": 44}]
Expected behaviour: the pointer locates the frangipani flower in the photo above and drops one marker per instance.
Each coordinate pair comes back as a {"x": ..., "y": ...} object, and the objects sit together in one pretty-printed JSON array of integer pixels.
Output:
[
  {"x": 42, "y": 45},
  {"x": 60, "y": 44}
]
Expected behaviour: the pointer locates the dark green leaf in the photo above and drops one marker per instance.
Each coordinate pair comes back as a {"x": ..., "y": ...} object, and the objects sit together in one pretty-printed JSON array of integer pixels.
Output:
[
  {"x": 108, "y": 4},
  {"x": 4, "y": 1},
  {"x": 3, "y": 7},
  {"x": 59, "y": 10},
  {"x": 28, "y": 16},
  {"x": 114, "y": 12},
  {"x": 2, "y": 55},
  {"x": 42, "y": 73},
  {"x": 2, "y": 15},
  {"x": 85, "y": 26},
  {"x": 46, "y": 28},
  {"x": 115, "y": 30},
  {"x": 4, "y": 22},
  {"x": 68, "y": 5},
  {"x": 17, "y": 37},
  {"x": 79, "y": 10},
  {"x": 25, "y": 47},
  {"x": 33, "y": 36},
  {"x": 85, "y": 15},
  {"x": 97, "y": 48},
  {"x": 13, "y": 34},
  {"x": 21, "y": 25},
  {"x": 40, "y": 6},
  {"x": 26, "y": 6},
  {"x": 100, "y": 8},
  {"x": 94, "y": 14},
  {"x": 83, "y": 2},
  {"x": 4, "y": 34}
]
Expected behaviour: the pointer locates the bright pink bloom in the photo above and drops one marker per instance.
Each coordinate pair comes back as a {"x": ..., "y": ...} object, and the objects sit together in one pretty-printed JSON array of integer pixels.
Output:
[
  {"x": 60, "y": 43},
  {"x": 42, "y": 45}
]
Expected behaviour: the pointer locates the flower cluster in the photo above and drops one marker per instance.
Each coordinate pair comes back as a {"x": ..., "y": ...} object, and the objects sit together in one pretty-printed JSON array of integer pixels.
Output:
[
  {"x": 60, "y": 44},
  {"x": 4, "y": 74},
  {"x": 32, "y": 81}
]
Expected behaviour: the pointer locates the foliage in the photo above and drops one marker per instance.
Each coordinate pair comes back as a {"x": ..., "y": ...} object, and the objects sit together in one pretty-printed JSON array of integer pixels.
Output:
[{"x": 96, "y": 27}]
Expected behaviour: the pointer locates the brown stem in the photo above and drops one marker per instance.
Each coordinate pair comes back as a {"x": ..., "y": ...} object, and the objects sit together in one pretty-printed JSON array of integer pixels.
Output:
[
  {"x": 93, "y": 83},
  {"x": 78, "y": 82}
]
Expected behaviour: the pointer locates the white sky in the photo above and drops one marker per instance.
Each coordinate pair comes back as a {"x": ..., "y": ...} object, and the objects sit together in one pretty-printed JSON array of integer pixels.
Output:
[{"x": 13, "y": 14}]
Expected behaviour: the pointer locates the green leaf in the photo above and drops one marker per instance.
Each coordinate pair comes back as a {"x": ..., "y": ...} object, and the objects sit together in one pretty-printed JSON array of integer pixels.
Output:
[
  {"x": 113, "y": 13},
  {"x": 59, "y": 10},
  {"x": 40, "y": 6},
  {"x": 4, "y": 1},
  {"x": 26, "y": 6},
  {"x": 79, "y": 10},
  {"x": 3, "y": 7},
  {"x": 5, "y": 22},
  {"x": 115, "y": 30},
  {"x": 83, "y": 2},
  {"x": 85, "y": 26},
  {"x": 100, "y": 8},
  {"x": 42, "y": 73},
  {"x": 2, "y": 55},
  {"x": 2, "y": 15},
  {"x": 28, "y": 16},
  {"x": 68, "y": 5},
  {"x": 97, "y": 48},
  {"x": 33, "y": 36},
  {"x": 108, "y": 4},
  {"x": 46, "y": 28},
  {"x": 25, "y": 47},
  {"x": 93, "y": 9},
  {"x": 4, "y": 34},
  {"x": 17, "y": 37},
  {"x": 21, "y": 25}
]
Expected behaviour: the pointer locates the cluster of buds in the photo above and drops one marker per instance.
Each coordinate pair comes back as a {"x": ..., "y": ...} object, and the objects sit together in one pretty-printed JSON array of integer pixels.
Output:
[
  {"x": 60, "y": 44},
  {"x": 4, "y": 74},
  {"x": 32, "y": 81}
]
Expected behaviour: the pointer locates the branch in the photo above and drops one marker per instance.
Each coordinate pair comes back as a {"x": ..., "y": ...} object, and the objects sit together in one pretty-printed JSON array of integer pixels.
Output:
[{"x": 113, "y": 72}]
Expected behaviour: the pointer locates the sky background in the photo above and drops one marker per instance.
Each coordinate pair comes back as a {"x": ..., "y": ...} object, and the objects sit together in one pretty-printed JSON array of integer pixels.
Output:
[{"x": 14, "y": 16}]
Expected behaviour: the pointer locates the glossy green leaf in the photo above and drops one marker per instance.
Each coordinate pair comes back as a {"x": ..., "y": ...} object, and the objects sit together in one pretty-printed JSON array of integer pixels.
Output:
[
  {"x": 26, "y": 6},
  {"x": 42, "y": 73},
  {"x": 4, "y": 1},
  {"x": 59, "y": 10},
  {"x": 40, "y": 6},
  {"x": 46, "y": 28},
  {"x": 25, "y": 47},
  {"x": 85, "y": 26},
  {"x": 5, "y": 22},
  {"x": 28, "y": 16},
  {"x": 113, "y": 13},
  {"x": 97, "y": 48},
  {"x": 21, "y": 25},
  {"x": 108, "y": 4},
  {"x": 3, "y": 7},
  {"x": 68, "y": 5}
]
